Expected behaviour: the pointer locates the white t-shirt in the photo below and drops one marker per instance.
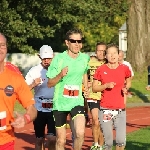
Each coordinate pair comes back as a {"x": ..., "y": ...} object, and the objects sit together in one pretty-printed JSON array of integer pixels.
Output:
[
  {"x": 42, "y": 94},
  {"x": 129, "y": 65}
]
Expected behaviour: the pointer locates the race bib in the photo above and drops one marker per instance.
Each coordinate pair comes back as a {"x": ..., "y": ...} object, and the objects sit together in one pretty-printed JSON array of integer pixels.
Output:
[
  {"x": 47, "y": 104},
  {"x": 109, "y": 114},
  {"x": 3, "y": 120},
  {"x": 71, "y": 91}
]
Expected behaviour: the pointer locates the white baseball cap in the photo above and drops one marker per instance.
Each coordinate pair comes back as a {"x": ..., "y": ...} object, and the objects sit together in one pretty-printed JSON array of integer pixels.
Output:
[{"x": 46, "y": 52}]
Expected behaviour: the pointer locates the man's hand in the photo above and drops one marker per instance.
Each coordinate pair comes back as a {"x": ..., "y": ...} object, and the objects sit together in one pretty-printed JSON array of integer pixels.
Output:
[
  {"x": 124, "y": 90},
  {"x": 148, "y": 88},
  {"x": 110, "y": 85},
  {"x": 86, "y": 93},
  {"x": 37, "y": 81},
  {"x": 19, "y": 121},
  {"x": 64, "y": 72},
  {"x": 89, "y": 84}
]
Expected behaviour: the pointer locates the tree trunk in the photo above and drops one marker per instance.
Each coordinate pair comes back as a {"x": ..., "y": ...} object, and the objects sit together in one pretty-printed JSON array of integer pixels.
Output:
[{"x": 138, "y": 29}]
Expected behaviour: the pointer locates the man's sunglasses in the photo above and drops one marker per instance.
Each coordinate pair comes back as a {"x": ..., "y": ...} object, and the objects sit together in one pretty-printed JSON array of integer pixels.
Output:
[{"x": 75, "y": 41}]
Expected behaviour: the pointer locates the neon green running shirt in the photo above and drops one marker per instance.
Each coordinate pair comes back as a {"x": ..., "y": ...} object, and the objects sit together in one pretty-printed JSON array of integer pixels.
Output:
[{"x": 68, "y": 91}]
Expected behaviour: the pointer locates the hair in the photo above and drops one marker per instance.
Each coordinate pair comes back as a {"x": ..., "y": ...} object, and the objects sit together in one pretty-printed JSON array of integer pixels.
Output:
[
  {"x": 121, "y": 51},
  {"x": 112, "y": 45},
  {"x": 99, "y": 43},
  {"x": 73, "y": 31}
]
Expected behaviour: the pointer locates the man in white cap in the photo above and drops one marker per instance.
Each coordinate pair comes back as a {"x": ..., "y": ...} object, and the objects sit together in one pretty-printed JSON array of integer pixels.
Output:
[{"x": 37, "y": 80}]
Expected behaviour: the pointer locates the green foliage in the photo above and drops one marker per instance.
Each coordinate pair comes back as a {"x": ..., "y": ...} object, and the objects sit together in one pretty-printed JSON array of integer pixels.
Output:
[{"x": 30, "y": 24}]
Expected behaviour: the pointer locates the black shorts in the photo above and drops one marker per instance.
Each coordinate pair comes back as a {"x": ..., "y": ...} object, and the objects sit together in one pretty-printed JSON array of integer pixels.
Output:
[
  {"x": 93, "y": 105},
  {"x": 44, "y": 119},
  {"x": 61, "y": 116}
]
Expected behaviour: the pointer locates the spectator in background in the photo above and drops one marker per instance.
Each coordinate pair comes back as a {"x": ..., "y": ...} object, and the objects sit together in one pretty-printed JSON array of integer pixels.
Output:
[{"x": 122, "y": 61}]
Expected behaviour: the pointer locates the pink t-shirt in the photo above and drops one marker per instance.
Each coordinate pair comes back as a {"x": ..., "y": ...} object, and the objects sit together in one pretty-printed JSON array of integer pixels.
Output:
[{"x": 112, "y": 98}]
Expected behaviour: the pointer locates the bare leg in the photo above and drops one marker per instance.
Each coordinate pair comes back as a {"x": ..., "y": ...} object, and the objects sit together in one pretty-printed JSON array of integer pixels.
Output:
[
  {"x": 72, "y": 127},
  {"x": 125, "y": 100},
  {"x": 51, "y": 142},
  {"x": 39, "y": 144},
  {"x": 72, "y": 130},
  {"x": 79, "y": 126},
  {"x": 119, "y": 147},
  {"x": 95, "y": 124},
  {"x": 101, "y": 137},
  {"x": 60, "y": 138}
]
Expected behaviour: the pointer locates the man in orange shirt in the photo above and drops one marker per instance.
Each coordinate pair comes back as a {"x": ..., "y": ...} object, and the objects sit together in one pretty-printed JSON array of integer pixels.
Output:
[
  {"x": 12, "y": 86},
  {"x": 12, "y": 67}
]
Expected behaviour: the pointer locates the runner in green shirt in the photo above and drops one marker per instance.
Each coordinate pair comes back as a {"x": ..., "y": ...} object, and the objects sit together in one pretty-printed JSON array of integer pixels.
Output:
[{"x": 67, "y": 72}]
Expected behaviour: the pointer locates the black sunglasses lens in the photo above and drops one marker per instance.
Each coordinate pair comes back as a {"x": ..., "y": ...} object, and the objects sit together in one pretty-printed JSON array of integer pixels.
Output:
[{"x": 75, "y": 41}]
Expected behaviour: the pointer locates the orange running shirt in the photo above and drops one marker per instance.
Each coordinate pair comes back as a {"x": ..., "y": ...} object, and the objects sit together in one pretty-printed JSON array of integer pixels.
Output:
[{"x": 12, "y": 86}]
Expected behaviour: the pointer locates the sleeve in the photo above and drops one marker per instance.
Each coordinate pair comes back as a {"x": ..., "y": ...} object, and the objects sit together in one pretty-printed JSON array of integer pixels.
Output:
[
  {"x": 53, "y": 69},
  {"x": 13, "y": 67},
  {"x": 87, "y": 65},
  {"x": 127, "y": 72},
  {"x": 24, "y": 95},
  {"x": 29, "y": 77},
  {"x": 132, "y": 73},
  {"x": 97, "y": 75}
]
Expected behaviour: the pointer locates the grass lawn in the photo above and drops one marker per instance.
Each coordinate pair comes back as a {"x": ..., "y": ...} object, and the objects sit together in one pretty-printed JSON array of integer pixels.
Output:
[
  {"x": 140, "y": 94},
  {"x": 138, "y": 140}
]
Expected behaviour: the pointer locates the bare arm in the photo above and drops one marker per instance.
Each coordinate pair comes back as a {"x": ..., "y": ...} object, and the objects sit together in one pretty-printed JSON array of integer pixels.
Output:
[
  {"x": 85, "y": 81},
  {"x": 36, "y": 82},
  {"x": 21, "y": 120},
  {"x": 148, "y": 88},
  {"x": 53, "y": 81},
  {"x": 128, "y": 82},
  {"x": 127, "y": 86},
  {"x": 99, "y": 88},
  {"x": 85, "y": 84},
  {"x": 32, "y": 112}
]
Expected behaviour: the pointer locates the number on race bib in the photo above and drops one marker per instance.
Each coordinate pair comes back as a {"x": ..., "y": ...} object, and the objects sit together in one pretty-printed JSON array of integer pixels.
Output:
[
  {"x": 47, "y": 105},
  {"x": 107, "y": 117},
  {"x": 109, "y": 114},
  {"x": 71, "y": 91}
]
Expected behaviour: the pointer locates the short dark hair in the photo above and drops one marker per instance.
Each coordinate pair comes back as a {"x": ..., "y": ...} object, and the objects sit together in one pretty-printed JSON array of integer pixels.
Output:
[
  {"x": 73, "y": 31},
  {"x": 112, "y": 45},
  {"x": 99, "y": 43}
]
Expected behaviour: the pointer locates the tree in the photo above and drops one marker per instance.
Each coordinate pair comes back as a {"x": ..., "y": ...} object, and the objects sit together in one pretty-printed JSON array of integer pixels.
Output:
[
  {"x": 30, "y": 24},
  {"x": 138, "y": 25}
]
